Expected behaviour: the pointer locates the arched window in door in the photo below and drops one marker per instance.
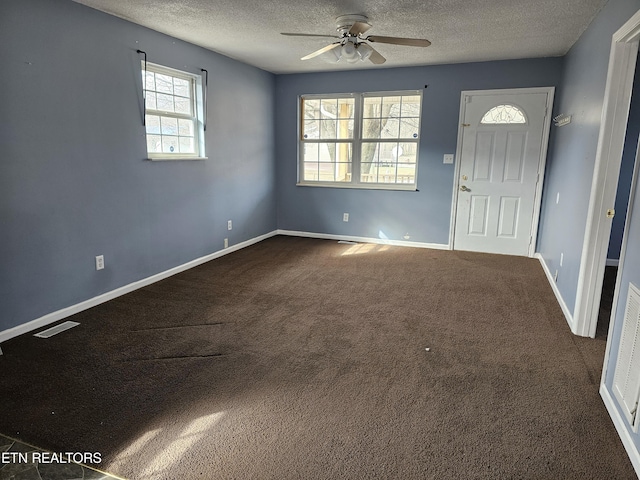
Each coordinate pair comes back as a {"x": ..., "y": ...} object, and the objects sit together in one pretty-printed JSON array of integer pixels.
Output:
[{"x": 503, "y": 115}]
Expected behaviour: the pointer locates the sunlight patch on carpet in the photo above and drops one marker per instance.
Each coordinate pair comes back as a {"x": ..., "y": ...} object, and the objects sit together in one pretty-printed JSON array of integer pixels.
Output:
[
  {"x": 161, "y": 465},
  {"x": 137, "y": 446},
  {"x": 362, "y": 248}
]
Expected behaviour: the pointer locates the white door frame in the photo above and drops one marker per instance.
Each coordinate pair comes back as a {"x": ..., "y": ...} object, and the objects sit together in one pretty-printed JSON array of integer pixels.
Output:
[
  {"x": 613, "y": 127},
  {"x": 550, "y": 91},
  {"x": 623, "y": 251}
]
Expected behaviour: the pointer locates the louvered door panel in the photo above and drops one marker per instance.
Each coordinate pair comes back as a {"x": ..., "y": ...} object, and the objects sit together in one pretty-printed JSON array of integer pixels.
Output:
[{"x": 626, "y": 381}]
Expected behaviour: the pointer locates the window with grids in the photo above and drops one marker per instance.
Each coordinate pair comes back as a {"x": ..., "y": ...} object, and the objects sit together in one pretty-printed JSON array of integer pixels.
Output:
[
  {"x": 172, "y": 120},
  {"x": 366, "y": 140}
]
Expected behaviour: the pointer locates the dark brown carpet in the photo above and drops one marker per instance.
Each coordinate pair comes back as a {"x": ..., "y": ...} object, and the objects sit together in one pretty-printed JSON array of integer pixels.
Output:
[{"x": 301, "y": 358}]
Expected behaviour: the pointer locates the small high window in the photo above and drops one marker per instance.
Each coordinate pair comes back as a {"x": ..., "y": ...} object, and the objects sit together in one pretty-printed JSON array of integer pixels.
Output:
[{"x": 503, "y": 115}]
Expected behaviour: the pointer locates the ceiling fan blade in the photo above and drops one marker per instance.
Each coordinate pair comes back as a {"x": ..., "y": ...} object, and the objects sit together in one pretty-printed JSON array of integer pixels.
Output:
[
  {"x": 321, "y": 51},
  {"x": 309, "y": 35},
  {"x": 375, "y": 57},
  {"x": 359, "y": 28},
  {"x": 411, "y": 42}
]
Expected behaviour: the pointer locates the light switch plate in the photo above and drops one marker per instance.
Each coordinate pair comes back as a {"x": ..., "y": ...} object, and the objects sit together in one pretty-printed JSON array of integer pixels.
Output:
[{"x": 448, "y": 158}]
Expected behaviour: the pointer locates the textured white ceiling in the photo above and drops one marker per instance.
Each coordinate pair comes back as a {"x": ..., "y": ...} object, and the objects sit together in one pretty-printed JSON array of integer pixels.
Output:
[{"x": 460, "y": 30}]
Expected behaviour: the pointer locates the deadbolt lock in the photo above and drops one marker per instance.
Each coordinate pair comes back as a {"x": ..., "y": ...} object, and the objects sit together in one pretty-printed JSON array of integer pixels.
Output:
[
  {"x": 464, "y": 177},
  {"x": 611, "y": 213}
]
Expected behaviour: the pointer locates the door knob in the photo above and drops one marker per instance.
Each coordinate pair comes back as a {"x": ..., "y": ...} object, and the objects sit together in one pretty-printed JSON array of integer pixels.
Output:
[{"x": 464, "y": 188}]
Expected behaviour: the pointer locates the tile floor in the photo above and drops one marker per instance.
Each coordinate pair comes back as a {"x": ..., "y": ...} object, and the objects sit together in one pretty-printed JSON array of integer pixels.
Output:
[{"x": 18, "y": 470}]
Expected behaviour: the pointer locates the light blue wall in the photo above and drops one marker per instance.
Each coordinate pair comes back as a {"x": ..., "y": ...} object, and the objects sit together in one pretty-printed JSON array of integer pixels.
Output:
[
  {"x": 425, "y": 215},
  {"x": 626, "y": 170},
  {"x": 74, "y": 182},
  {"x": 572, "y": 152}
]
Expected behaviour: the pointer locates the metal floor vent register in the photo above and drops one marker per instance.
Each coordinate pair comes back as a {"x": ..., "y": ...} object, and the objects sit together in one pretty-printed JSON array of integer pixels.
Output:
[{"x": 50, "y": 332}]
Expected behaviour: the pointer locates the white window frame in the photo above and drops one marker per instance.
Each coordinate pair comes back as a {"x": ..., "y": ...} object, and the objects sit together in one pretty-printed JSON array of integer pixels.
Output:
[
  {"x": 356, "y": 142},
  {"x": 197, "y": 107}
]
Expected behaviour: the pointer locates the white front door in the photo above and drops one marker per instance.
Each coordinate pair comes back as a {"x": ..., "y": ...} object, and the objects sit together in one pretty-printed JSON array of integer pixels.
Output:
[{"x": 500, "y": 155}]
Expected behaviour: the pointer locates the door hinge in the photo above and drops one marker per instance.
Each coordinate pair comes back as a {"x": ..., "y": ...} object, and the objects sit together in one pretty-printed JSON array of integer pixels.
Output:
[{"x": 611, "y": 213}]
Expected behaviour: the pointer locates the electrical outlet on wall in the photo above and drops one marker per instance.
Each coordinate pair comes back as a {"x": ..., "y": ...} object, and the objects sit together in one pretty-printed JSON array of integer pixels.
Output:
[
  {"x": 229, "y": 225},
  {"x": 226, "y": 243},
  {"x": 345, "y": 217},
  {"x": 99, "y": 262}
]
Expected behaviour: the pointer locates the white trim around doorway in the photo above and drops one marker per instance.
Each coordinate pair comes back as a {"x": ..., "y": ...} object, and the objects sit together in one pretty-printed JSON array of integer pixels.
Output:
[{"x": 613, "y": 126}]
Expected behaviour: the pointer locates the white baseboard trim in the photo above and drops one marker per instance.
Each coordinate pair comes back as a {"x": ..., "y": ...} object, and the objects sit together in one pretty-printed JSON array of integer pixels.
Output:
[
  {"x": 612, "y": 262},
  {"x": 567, "y": 313},
  {"x": 348, "y": 238},
  {"x": 105, "y": 297},
  {"x": 621, "y": 428}
]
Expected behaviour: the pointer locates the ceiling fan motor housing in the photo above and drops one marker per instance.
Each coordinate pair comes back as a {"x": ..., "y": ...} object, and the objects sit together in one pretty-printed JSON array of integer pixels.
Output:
[{"x": 345, "y": 22}]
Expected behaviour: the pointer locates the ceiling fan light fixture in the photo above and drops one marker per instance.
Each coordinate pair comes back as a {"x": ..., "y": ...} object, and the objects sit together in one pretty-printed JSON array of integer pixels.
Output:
[
  {"x": 338, "y": 53},
  {"x": 364, "y": 50},
  {"x": 349, "y": 52}
]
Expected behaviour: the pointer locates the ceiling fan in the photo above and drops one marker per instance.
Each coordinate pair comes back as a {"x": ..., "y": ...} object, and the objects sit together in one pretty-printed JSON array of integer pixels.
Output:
[{"x": 352, "y": 44}]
